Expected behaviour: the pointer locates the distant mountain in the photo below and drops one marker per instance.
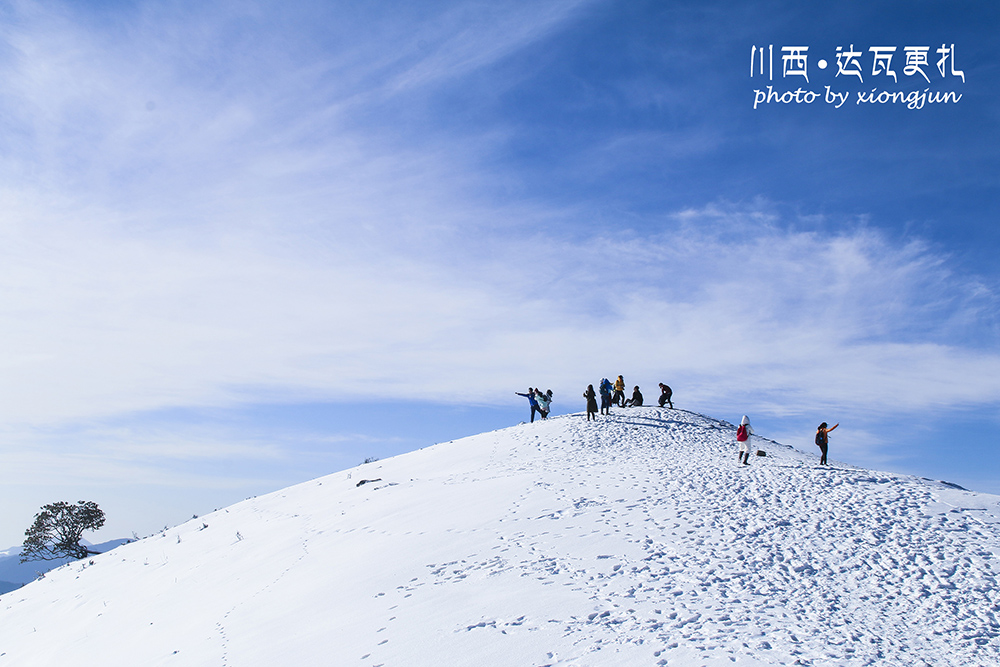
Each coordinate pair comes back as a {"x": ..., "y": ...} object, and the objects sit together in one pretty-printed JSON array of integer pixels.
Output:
[
  {"x": 633, "y": 540},
  {"x": 14, "y": 573}
]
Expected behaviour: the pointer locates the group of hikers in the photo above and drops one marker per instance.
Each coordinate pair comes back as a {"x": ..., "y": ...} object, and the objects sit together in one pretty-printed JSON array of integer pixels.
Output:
[
  {"x": 611, "y": 394},
  {"x": 540, "y": 401},
  {"x": 614, "y": 394},
  {"x": 744, "y": 431}
]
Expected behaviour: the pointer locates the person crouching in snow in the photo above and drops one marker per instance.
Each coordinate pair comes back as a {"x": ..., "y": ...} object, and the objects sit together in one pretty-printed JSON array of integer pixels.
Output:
[
  {"x": 665, "y": 394},
  {"x": 743, "y": 433},
  {"x": 636, "y": 400},
  {"x": 591, "y": 397}
]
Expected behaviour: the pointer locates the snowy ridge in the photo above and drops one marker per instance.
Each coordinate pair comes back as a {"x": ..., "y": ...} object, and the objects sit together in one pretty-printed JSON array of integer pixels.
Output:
[{"x": 635, "y": 540}]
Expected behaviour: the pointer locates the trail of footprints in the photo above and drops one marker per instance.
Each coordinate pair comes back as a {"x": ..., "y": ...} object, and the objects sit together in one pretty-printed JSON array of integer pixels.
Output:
[{"x": 716, "y": 563}]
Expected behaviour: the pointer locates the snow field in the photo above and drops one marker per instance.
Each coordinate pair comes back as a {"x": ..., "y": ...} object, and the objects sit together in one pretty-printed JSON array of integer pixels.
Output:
[{"x": 633, "y": 540}]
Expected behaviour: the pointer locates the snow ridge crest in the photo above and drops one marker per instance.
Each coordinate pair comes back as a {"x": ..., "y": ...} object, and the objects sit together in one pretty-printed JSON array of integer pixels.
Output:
[{"x": 633, "y": 540}]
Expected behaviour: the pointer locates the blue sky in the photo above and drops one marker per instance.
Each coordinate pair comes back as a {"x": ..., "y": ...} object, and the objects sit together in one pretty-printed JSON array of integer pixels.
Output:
[{"x": 243, "y": 245}]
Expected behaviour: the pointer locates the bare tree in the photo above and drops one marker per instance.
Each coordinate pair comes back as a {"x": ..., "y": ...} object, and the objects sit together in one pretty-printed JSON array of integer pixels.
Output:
[{"x": 57, "y": 530}]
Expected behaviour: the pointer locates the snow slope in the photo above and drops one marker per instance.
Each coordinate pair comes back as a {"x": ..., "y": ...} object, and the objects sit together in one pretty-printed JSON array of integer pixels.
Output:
[
  {"x": 14, "y": 573},
  {"x": 635, "y": 540}
]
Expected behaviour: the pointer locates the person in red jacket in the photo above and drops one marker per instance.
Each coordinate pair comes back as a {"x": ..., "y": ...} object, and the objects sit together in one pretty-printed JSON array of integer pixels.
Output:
[{"x": 743, "y": 434}]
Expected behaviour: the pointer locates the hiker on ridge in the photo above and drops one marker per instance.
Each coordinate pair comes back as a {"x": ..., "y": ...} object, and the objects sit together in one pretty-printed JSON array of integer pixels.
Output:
[
  {"x": 591, "y": 397},
  {"x": 636, "y": 400},
  {"x": 544, "y": 401},
  {"x": 605, "y": 396},
  {"x": 665, "y": 394},
  {"x": 618, "y": 398},
  {"x": 532, "y": 400},
  {"x": 743, "y": 433},
  {"x": 823, "y": 441}
]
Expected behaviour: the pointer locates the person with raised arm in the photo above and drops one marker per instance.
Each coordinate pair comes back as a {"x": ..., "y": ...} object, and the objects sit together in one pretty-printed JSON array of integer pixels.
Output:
[
  {"x": 532, "y": 401},
  {"x": 823, "y": 441}
]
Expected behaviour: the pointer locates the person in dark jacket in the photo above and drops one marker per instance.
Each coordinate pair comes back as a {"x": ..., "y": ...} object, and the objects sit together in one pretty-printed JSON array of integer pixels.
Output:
[
  {"x": 636, "y": 400},
  {"x": 823, "y": 441},
  {"x": 665, "y": 394},
  {"x": 605, "y": 390},
  {"x": 531, "y": 399},
  {"x": 591, "y": 397}
]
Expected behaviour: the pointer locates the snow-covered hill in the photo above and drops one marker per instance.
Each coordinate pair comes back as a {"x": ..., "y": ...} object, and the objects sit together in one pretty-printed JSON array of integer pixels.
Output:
[
  {"x": 636, "y": 540},
  {"x": 14, "y": 573}
]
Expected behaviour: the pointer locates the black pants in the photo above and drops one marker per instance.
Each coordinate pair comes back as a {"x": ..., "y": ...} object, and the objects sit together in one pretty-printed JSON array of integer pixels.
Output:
[
  {"x": 822, "y": 459},
  {"x": 665, "y": 399},
  {"x": 534, "y": 409}
]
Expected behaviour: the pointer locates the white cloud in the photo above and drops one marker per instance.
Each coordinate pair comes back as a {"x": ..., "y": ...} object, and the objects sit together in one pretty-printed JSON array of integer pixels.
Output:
[
  {"x": 103, "y": 321},
  {"x": 219, "y": 248}
]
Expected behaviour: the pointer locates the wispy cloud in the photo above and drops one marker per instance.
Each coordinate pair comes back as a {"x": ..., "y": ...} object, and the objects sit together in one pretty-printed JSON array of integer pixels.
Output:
[{"x": 111, "y": 322}]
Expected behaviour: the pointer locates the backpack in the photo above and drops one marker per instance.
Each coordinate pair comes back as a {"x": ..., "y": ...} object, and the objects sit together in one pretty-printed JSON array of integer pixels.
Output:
[
  {"x": 820, "y": 438},
  {"x": 741, "y": 433}
]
